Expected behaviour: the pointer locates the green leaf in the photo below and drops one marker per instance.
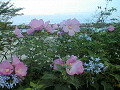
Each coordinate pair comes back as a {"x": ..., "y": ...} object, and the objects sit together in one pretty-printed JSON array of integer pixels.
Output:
[
  {"x": 61, "y": 87},
  {"x": 28, "y": 89},
  {"x": 40, "y": 86},
  {"x": 107, "y": 86},
  {"x": 32, "y": 84},
  {"x": 49, "y": 76},
  {"x": 96, "y": 85},
  {"x": 117, "y": 77}
]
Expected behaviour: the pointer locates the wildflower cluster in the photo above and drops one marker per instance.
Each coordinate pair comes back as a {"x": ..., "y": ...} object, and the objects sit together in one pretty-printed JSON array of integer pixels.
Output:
[
  {"x": 88, "y": 38},
  {"x": 9, "y": 81},
  {"x": 94, "y": 65},
  {"x": 8, "y": 78}
]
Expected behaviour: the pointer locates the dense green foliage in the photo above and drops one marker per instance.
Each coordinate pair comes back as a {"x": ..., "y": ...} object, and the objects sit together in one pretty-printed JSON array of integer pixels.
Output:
[{"x": 39, "y": 50}]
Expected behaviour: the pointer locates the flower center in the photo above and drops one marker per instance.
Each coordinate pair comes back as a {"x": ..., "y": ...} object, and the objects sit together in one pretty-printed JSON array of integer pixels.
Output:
[
  {"x": 70, "y": 63},
  {"x": 70, "y": 27},
  {"x": 18, "y": 71},
  {"x": 7, "y": 70}
]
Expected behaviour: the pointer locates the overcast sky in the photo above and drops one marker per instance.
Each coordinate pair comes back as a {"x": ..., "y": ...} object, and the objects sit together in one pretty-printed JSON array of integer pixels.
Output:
[{"x": 50, "y": 7}]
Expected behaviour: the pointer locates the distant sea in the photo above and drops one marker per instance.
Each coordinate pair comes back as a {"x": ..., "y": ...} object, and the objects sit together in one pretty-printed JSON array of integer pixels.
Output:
[{"x": 85, "y": 17}]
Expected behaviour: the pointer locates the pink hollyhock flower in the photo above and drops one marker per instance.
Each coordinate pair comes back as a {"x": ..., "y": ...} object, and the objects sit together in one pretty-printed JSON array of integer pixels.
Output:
[
  {"x": 59, "y": 62},
  {"x": 6, "y": 68},
  {"x": 36, "y": 24},
  {"x": 15, "y": 60},
  {"x": 71, "y": 26},
  {"x": 46, "y": 23},
  {"x": 91, "y": 25},
  {"x": 111, "y": 28},
  {"x": 18, "y": 32},
  {"x": 98, "y": 41},
  {"x": 62, "y": 23},
  {"x": 49, "y": 29},
  {"x": 55, "y": 26},
  {"x": 30, "y": 31},
  {"x": 9, "y": 39},
  {"x": 76, "y": 68},
  {"x": 20, "y": 69},
  {"x": 98, "y": 20},
  {"x": 58, "y": 33},
  {"x": 71, "y": 60}
]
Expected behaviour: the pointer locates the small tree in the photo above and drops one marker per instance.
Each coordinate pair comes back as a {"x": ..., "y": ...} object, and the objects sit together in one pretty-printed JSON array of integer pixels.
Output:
[{"x": 7, "y": 11}]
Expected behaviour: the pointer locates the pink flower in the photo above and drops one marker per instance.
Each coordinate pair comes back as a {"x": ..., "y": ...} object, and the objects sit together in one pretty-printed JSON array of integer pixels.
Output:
[
  {"x": 98, "y": 41},
  {"x": 91, "y": 25},
  {"x": 36, "y": 24},
  {"x": 111, "y": 28},
  {"x": 55, "y": 26},
  {"x": 18, "y": 32},
  {"x": 71, "y": 60},
  {"x": 48, "y": 28},
  {"x": 30, "y": 31},
  {"x": 59, "y": 62},
  {"x": 20, "y": 69},
  {"x": 71, "y": 26},
  {"x": 98, "y": 20},
  {"x": 58, "y": 33},
  {"x": 6, "y": 68},
  {"x": 76, "y": 68},
  {"x": 46, "y": 23},
  {"x": 15, "y": 60},
  {"x": 62, "y": 23}
]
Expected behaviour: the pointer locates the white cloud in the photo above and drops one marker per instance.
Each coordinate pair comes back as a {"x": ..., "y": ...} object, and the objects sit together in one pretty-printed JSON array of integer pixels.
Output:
[{"x": 48, "y": 7}]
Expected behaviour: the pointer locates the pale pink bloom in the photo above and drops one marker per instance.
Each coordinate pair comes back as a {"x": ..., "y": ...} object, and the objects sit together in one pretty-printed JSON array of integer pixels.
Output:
[
  {"x": 62, "y": 24},
  {"x": 55, "y": 26},
  {"x": 21, "y": 69},
  {"x": 85, "y": 32},
  {"x": 111, "y": 28},
  {"x": 59, "y": 62},
  {"x": 58, "y": 33},
  {"x": 91, "y": 25},
  {"x": 36, "y": 24},
  {"x": 76, "y": 68},
  {"x": 30, "y": 31},
  {"x": 49, "y": 28},
  {"x": 18, "y": 32},
  {"x": 71, "y": 26},
  {"x": 15, "y": 60},
  {"x": 9, "y": 39},
  {"x": 76, "y": 22},
  {"x": 6, "y": 68},
  {"x": 98, "y": 20},
  {"x": 46, "y": 23},
  {"x": 71, "y": 60},
  {"x": 98, "y": 42}
]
